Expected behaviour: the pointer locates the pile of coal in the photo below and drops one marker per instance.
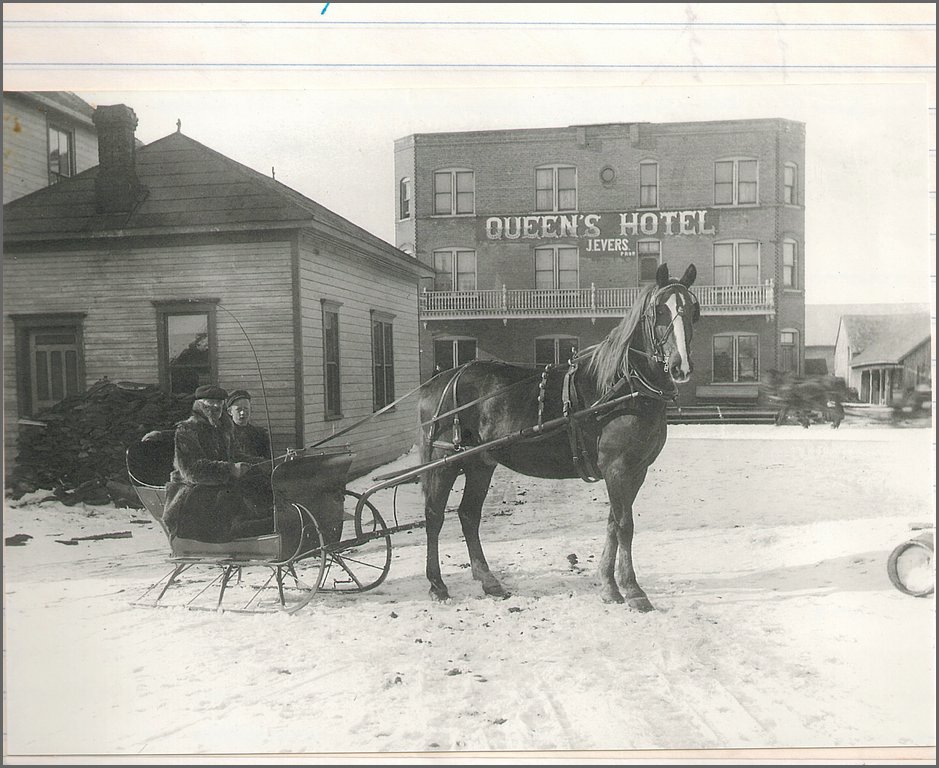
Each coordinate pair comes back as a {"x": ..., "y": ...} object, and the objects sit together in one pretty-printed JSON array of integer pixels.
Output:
[{"x": 77, "y": 447}]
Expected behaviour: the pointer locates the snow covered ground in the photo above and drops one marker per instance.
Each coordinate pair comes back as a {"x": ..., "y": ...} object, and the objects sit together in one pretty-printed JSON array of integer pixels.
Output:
[{"x": 763, "y": 550}]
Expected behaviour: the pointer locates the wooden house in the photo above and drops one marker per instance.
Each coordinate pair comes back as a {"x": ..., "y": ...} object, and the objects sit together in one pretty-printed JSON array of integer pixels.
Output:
[
  {"x": 173, "y": 264},
  {"x": 47, "y": 136},
  {"x": 884, "y": 357}
]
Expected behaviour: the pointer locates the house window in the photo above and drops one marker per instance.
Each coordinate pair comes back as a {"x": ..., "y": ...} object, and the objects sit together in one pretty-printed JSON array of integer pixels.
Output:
[
  {"x": 61, "y": 154},
  {"x": 556, "y": 267},
  {"x": 556, "y": 188},
  {"x": 736, "y": 358},
  {"x": 735, "y": 182},
  {"x": 737, "y": 263},
  {"x": 789, "y": 351},
  {"x": 648, "y": 184},
  {"x": 404, "y": 196},
  {"x": 454, "y": 269},
  {"x": 331, "y": 369},
  {"x": 451, "y": 352},
  {"x": 650, "y": 256},
  {"x": 790, "y": 178},
  {"x": 383, "y": 366},
  {"x": 49, "y": 359},
  {"x": 454, "y": 192},
  {"x": 187, "y": 345},
  {"x": 790, "y": 264},
  {"x": 550, "y": 350}
]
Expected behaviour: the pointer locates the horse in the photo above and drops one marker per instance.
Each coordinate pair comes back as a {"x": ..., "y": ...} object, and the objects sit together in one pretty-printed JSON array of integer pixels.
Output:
[{"x": 636, "y": 368}]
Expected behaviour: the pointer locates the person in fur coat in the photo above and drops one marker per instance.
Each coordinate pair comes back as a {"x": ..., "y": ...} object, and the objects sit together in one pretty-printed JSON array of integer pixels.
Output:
[{"x": 203, "y": 500}]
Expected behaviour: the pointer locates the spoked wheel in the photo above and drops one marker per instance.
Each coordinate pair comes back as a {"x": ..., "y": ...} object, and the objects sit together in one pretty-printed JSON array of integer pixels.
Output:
[
  {"x": 910, "y": 567},
  {"x": 360, "y": 560}
]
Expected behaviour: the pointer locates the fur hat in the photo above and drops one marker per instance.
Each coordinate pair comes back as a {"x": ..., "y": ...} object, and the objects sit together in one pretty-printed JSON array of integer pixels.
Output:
[
  {"x": 210, "y": 392},
  {"x": 238, "y": 394}
]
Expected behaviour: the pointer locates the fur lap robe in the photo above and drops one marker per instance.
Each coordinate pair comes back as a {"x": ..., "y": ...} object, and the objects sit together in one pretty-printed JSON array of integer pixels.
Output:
[{"x": 203, "y": 500}]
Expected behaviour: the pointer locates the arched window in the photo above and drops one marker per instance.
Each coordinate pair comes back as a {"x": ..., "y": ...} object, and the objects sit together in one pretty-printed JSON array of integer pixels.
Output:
[
  {"x": 555, "y": 188},
  {"x": 735, "y": 358},
  {"x": 454, "y": 192},
  {"x": 736, "y": 181},
  {"x": 404, "y": 198}
]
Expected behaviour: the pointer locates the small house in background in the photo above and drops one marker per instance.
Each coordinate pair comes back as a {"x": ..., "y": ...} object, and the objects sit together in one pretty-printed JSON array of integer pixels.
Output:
[
  {"x": 47, "y": 137},
  {"x": 175, "y": 265},
  {"x": 884, "y": 357}
]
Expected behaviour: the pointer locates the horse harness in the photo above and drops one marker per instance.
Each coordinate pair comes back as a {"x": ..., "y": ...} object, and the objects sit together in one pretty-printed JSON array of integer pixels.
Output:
[{"x": 584, "y": 450}]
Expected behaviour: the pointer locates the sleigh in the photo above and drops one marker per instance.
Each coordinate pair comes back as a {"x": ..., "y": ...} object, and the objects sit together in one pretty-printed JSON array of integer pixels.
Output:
[{"x": 324, "y": 538}]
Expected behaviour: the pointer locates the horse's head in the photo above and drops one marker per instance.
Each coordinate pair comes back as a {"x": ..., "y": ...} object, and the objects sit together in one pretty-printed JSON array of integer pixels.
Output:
[{"x": 672, "y": 312}]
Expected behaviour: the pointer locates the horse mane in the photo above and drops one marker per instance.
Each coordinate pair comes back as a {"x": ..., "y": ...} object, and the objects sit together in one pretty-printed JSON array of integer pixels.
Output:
[{"x": 608, "y": 361}]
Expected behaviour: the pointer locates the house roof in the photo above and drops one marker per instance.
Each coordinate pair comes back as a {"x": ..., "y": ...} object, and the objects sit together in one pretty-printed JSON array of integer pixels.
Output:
[
  {"x": 190, "y": 188},
  {"x": 822, "y": 320},
  {"x": 884, "y": 339}
]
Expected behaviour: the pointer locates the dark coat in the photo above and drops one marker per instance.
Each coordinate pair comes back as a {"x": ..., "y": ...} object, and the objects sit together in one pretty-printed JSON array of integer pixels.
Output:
[
  {"x": 250, "y": 443},
  {"x": 202, "y": 498}
]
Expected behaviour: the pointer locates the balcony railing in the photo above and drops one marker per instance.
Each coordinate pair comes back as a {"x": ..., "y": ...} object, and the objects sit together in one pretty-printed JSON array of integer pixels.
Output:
[{"x": 583, "y": 302}]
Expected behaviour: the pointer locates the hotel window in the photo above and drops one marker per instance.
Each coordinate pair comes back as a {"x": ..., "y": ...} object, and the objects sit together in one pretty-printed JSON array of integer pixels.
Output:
[
  {"x": 556, "y": 267},
  {"x": 49, "y": 359},
  {"x": 331, "y": 368},
  {"x": 650, "y": 256},
  {"x": 648, "y": 184},
  {"x": 789, "y": 351},
  {"x": 451, "y": 352},
  {"x": 404, "y": 195},
  {"x": 454, "y": 270},
  {"x": 737, "y": 263},
  {"x": 187, "y": 345},
  {"x": 383, "y": 366},
  {"x": 556, "y": 188},
  {"x": 61, "y": 154},
  {"x": 790, "y": 273},
  {"x": 736, "y": 358},
  {"x": 454, "y": 192},
  {"x": 790, "y": 180},
  {"x": 735, "y": 182},
  {"x": 550, "y": 350}
]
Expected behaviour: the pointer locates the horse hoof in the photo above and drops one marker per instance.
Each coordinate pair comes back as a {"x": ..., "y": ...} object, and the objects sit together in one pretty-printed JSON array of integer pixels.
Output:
[
  {"x": 439, "y": 595},
  {"x": 497, "y": 591},
  {"x": 640, "y": 604},
  {"x": 612, "y": 596}
]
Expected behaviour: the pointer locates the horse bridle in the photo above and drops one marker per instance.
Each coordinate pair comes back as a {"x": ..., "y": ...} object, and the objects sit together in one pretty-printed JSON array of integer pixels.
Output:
[{"x": 657, "y": 355}]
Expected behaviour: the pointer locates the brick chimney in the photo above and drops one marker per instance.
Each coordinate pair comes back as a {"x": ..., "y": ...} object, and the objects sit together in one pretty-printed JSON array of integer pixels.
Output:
[{"x": 117, "y": 188}]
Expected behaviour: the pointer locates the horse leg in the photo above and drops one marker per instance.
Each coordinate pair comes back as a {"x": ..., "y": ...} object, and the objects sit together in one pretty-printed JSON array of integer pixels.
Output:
[
  {"x": 436, "y": 485},
  {"x": 622, "y": 486},
  {"x": 474, "y": 494}
]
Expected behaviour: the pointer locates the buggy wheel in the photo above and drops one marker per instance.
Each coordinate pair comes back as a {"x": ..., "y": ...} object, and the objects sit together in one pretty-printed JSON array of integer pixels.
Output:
[
  {"x": 910, "y": 567},
  {"x": 361, "y": 560},
  {"x": 298, "y": 579}
]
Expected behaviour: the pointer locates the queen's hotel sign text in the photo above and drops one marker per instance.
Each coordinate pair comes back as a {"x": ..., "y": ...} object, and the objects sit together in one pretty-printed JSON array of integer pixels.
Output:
[{"x": 608, "y": 232}]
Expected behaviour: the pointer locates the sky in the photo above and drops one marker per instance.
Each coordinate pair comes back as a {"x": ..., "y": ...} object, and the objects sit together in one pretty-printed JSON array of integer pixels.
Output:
[
  {"x": 866, "y": 168},
  {"x": 320, "y": 92}
]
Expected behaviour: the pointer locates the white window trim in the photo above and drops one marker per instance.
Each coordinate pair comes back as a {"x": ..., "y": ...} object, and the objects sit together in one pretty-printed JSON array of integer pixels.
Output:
[
  {"x": 736, "y": 181},
  {"x": 554, "y": 249},
  {"x": 735, "y": 335},
  {"x": 657, "y": 188},
  {"x": 453, "y": 250},
  {"x": 556, "y": 191},
  {"x": 796, "y": 288},
  {"x": 453, "y": 193},
  {"x": 735, "y": 243}
]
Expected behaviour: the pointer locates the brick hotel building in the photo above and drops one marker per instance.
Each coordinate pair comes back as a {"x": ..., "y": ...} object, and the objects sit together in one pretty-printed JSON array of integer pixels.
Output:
[{"x": 540, "y": 239}]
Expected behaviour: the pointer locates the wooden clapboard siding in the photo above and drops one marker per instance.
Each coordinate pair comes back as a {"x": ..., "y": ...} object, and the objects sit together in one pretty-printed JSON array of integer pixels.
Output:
[
  {"x": 329, "y": 272},
  {"x": 116, "y": 289},
  {"x": 25, "y": 145}
]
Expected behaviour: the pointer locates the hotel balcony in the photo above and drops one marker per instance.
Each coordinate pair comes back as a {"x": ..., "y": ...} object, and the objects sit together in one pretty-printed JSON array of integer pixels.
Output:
[{"x": 589, "y": 302}]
